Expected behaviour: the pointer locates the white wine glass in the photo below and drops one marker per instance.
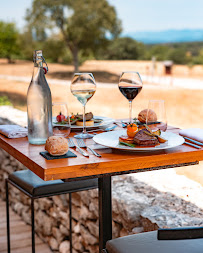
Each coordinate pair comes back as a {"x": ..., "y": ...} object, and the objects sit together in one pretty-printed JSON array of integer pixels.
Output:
[
  {"x": 83, "y": 87},
  {"x": 130, "y": 85},
  {"x": 156, "y": 115},
  {"x": 60, "y": 119}
]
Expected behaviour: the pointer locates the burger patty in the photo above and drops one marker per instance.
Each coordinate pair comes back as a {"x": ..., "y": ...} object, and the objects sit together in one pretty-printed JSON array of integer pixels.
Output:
[{"x": 143, "y": 139}]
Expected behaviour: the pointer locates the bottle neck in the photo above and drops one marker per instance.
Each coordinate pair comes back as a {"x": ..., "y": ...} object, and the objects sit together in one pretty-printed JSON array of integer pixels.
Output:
[
  {"x": 38, "y": 68},
  {"x": 38, "y": 64}
]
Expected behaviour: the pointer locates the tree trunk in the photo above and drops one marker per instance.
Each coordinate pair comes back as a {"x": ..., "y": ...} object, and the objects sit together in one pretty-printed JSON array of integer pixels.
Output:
[
  {"x": 74, "y": 52},
  {"x": 75, "y": 59},
  {"x": 9, "y": 59}
]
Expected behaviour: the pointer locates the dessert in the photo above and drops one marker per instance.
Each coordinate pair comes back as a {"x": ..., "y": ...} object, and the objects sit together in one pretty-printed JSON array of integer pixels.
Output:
[
  {"x": 56, "y": 145},
  {"x": 142, "y": 116}
]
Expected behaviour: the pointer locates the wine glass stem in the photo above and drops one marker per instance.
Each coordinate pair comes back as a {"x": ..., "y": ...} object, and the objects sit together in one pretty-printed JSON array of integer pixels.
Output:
[
  {"x": 84, "y": 120},
  {"x": 130, "y": 111}
]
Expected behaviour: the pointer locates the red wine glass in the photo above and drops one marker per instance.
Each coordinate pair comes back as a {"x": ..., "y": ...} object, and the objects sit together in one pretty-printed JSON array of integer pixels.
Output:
[{"x": 130, "y": 85}]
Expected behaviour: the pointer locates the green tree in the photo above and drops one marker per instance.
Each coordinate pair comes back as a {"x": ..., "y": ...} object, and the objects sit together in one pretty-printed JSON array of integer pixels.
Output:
[
  {"x": 8, "y": 40},
  {"x": 54, "y": 49},
  {"x": 178, "y": 56},
  {"x": 84, "y": 24},
  {"x": 26, "y": 44},
  {"x": 161, "y": 52},
  {"x": 123, "y": 49},
  {"x": 199, "y": 58}
]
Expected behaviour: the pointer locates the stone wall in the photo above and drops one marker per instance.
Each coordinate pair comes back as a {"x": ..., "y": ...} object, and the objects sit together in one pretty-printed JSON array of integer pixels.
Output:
[
  {"x": 141, "y": 202},
  {"x": 137, "y": 207}
]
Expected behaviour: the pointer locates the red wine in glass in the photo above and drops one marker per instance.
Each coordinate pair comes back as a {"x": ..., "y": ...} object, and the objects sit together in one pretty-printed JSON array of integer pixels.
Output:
[
  {"x": 130, "y": 85},
  {"x": 130, "y": 92}
]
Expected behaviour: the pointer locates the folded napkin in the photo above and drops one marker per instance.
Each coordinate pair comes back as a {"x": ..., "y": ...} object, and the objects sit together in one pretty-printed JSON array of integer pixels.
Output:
[
  {"x": 13, "y": 131},
  {"x": 193, "y": 133}
]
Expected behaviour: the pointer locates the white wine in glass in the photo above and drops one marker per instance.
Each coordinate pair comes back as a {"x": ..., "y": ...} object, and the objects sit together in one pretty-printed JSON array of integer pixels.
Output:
[
  {"x": 83, "y": 87},
  {"x": 83, "y": 95}
]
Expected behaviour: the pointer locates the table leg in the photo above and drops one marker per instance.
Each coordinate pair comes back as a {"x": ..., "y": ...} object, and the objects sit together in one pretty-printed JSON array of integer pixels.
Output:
[{"x": 105, "y": 211}]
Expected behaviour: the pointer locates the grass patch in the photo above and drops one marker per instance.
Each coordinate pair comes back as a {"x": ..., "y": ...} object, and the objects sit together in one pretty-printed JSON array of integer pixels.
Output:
[
  {"x": 4, "y": 100},
  {"x": 11, "y": 98}
]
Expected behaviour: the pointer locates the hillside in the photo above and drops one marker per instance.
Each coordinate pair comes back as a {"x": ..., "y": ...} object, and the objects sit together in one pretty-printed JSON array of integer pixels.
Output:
[{"x": 166, "y": 36}]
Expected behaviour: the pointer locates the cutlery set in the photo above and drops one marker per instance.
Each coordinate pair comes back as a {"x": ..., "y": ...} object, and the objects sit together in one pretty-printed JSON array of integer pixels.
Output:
[
  {"x": 195, "y": 144},
  {"x": 79, "y": 145}
]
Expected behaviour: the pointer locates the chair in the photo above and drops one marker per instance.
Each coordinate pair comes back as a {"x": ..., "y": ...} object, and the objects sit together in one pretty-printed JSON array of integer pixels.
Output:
[
  {"x": 35, "y": 188},
  {"x": 180, "y": 240}
]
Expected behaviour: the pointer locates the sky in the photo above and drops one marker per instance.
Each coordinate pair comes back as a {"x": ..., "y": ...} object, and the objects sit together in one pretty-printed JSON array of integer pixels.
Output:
[{"x": 136, "y": 15}]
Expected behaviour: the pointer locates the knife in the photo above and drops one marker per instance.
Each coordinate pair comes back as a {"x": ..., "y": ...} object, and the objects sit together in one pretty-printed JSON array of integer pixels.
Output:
[
  {"x": 191, "y": 144},
  {"x": 94, "y": 152},
  {"x": 82, "y": 152}
]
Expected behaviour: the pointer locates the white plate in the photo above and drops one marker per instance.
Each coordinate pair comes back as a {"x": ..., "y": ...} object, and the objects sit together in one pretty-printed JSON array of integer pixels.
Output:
[
  {"x": 105, "y": 123},
  {"x": 111, "y": 140}
]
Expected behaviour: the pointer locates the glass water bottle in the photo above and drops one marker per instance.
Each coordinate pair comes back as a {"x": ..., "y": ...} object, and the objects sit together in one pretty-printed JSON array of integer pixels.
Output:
[{"x": 39, "y": 103}]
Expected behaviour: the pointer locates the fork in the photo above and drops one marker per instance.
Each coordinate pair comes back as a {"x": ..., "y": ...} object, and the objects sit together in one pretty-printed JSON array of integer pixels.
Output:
[
  {"x": 82, "y": 144},
  {"x": 73, "y": 145}
]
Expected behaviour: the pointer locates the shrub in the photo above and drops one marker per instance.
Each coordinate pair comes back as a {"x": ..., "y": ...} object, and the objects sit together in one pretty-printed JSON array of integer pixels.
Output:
[{"x": 4, "y": 100}]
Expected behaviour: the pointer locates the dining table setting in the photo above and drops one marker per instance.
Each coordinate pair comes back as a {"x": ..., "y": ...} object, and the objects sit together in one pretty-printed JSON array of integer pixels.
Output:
[{"x": 83, "y": 146}]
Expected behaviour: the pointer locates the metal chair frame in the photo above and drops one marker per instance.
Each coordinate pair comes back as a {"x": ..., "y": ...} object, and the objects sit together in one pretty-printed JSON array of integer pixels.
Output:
[
  {"x": 8, "y": 181},
  {"x": 104, "y": 251}
]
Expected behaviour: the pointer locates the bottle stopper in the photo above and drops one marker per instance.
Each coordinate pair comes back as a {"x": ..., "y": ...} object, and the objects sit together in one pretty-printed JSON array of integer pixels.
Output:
[{"x": 45, "y": 70}]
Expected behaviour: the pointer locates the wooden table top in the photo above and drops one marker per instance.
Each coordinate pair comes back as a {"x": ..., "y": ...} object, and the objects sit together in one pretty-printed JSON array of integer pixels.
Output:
[{"x": 112, "y": 162}]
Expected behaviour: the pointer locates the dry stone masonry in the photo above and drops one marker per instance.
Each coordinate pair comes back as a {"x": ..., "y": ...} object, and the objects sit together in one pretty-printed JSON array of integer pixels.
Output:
[{"x": 141, "y": 202}]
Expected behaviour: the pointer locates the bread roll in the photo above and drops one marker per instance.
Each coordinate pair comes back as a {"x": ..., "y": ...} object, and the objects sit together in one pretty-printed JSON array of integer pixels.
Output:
[
  {"x": 152, "y": 117},
  {"x": 88, "y": 123},
  {"x": 56, "y": 145}
]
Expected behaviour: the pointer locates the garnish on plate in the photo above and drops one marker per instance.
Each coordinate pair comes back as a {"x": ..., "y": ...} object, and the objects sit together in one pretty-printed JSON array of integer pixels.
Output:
[
  {"x": 132, "y": 130},
  {"x": 60, "y": 117}
]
